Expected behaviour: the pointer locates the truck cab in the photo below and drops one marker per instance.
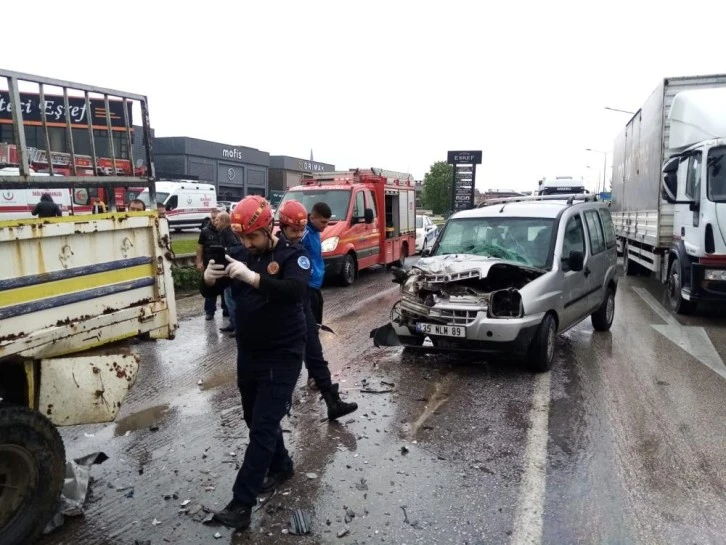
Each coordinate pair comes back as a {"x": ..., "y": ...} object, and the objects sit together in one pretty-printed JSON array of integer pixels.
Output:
[
  {"x": 373, "y": 220},
  {"x": 694, "y": 182}
]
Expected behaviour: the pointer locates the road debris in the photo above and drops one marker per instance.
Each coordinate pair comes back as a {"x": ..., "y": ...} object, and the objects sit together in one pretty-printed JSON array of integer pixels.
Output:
[
  {"x": 217, "y": 535},
  {"x": 156, "y": 522},
  {"x": 404, "y": 450},
  {"x": 311, "y": 475},
  {"x": 343, "y": 532},
  {"x": 300, "y": 522}
]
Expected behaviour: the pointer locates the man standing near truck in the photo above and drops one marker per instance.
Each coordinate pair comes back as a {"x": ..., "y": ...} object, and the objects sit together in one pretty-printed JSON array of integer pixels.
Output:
[
  {"x": 269, "y": 278},
  {"x": 209, "y": 237},
  {"x": 293, "y": 226}
]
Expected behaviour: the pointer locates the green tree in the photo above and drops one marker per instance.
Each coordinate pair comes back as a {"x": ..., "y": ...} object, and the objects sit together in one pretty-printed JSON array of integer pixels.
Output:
[{"x": 437, "y": 188}]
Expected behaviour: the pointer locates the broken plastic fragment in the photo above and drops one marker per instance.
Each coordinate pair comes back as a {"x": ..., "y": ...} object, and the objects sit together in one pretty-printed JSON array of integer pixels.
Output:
[
  {"x": 311, "y": 475},
  {"x": 217, "y": 535},
  {"x": 199, "y": 384},
  {"x": 186, "y": 502},
  {"x": 343, "y": 533},
  {"x": 300, "y": 522},
  {"x": 156, "y": 522}
]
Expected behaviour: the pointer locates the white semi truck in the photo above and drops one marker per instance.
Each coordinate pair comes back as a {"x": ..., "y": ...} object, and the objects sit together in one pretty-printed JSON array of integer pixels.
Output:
[{"x": 669, "y": 190}]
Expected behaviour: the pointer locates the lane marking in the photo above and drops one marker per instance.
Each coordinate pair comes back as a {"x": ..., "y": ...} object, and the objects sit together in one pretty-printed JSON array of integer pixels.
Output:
[
  {"x": 692, "y": 339},
  {"x": 528, "y": 518}
]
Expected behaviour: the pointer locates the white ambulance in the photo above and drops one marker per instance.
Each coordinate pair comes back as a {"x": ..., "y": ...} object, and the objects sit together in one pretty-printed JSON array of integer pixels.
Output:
[
  {"x": 187, "y": 202},
  {"x": 19, "y": 203}
]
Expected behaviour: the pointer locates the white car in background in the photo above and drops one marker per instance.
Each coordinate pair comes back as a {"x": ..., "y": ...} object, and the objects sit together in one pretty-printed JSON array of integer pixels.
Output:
[{"x": 426, "y": 233}]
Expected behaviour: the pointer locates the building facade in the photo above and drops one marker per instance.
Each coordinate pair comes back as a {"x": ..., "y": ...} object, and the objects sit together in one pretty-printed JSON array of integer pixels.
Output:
[{"x": 236, "y": 171}]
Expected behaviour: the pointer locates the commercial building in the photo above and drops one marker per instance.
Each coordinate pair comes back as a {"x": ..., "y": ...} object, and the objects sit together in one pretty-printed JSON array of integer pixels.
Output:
[
  {"x": 287, "y": 172},
  {"x": 236, "y": 171}
]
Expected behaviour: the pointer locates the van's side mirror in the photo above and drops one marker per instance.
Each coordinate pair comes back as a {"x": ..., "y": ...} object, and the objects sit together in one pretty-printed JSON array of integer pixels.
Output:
[
  {"x": 368, "y": 215},
  {"x": 576, "y": 260},
  {"x": 670, "y": 180},
  {"x": 426, "y": 252}
]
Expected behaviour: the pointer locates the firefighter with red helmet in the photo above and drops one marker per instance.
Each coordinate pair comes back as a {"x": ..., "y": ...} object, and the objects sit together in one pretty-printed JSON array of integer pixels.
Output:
[
  {"x": 293, "y": 220},
  {"x": 269, "y": 279}
]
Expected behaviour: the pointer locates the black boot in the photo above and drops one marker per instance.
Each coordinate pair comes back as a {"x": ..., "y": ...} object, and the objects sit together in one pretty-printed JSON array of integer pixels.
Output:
[
  {"x": 336, "y": 406},
  {"x": 235, "y": 515},
  {"x": 275, "y": 479}
]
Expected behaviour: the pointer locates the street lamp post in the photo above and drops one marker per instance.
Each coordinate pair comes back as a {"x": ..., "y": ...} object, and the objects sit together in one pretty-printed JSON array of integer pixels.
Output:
[{"x": 604, "y": 165}]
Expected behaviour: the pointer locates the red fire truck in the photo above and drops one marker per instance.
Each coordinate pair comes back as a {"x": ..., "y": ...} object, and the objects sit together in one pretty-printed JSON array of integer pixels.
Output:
[{"x": 373, "y": 221}]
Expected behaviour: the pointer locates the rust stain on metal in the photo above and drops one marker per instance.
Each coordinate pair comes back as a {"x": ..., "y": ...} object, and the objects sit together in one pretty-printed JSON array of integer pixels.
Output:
[
  {"x": 50, "y": 409},
  {"x": 12, "y": 337},
  {"x": 109, "y": 310},
  {"x": 96, "y": 370},
  {"x": 98, "y": 393}
]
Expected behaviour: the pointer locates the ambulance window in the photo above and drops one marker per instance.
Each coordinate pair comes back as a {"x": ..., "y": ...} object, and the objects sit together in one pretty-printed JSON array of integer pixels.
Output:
[
  {"x": 360, "y": 205},
  {"x": 172, "y": 203},
  {"x": 371, "y": 203}
]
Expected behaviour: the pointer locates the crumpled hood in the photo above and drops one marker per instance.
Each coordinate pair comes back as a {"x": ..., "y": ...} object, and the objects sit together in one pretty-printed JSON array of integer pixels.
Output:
[{"x": 457, "y": 263}]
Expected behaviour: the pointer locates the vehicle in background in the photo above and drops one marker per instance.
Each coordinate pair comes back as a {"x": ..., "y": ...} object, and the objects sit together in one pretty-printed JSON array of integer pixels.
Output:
[
  {"x": 508, "y": 278},
  {"x": 187, "y": 202},
  {"x": 226, "y": 205},
  {"x": 669, "y": 190},
  {"x": 561, "y": 185},
  {"x": 426, "y": 232},
  {"x": 373, "y": 221}
]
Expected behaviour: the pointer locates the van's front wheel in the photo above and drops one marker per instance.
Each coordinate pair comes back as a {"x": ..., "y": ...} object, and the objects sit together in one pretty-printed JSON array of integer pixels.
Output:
[{"x": 347, "y": 274}]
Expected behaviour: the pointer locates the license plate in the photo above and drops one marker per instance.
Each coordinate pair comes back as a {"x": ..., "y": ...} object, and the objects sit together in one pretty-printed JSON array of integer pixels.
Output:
[{"x": 442, "y": 330}]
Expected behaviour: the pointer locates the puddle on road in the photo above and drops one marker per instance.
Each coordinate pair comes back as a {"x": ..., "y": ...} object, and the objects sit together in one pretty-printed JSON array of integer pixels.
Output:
[
  {"x": 142, "y": 419},
  {"x": 436, "y": 400}
]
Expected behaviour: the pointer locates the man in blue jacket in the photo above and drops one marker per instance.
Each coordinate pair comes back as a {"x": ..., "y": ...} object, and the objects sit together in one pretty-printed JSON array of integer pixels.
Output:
[{"x": 315, "y": 362}]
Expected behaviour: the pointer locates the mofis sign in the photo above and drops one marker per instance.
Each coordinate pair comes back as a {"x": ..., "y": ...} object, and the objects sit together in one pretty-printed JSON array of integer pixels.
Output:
[{"x": 56, "y": 114}]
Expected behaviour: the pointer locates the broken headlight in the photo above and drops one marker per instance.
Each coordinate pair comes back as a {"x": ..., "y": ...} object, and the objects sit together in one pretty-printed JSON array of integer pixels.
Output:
[
  {"x": 506, "y": 304},
  {"x": 409, "y": 286}
]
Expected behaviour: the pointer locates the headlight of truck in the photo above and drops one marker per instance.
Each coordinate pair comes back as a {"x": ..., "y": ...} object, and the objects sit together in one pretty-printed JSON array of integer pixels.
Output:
[
  {"x": 329, "y": 244},
  {"x": 714, "y": 274}
]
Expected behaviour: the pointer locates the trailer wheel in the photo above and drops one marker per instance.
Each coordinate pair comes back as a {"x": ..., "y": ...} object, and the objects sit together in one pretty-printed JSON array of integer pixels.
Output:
[
  {"x": 32, "y": 471},
  {"x": 677, "y": 303},
  {"x": 347, "y": 275}
]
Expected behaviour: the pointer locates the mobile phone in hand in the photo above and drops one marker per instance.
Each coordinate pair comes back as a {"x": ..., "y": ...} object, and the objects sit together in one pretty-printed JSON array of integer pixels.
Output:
[{"x": 217, "y": 253}]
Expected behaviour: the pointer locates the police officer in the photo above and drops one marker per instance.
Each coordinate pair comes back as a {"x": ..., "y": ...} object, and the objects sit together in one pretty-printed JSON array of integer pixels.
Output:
[
  {"x": 293, "y": 222},
  {"x": 269, "y": 278}
]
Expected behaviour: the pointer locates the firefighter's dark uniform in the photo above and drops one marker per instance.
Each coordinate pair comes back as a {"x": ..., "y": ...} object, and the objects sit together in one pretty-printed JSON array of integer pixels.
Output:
[{"x": 271, "y": 332}]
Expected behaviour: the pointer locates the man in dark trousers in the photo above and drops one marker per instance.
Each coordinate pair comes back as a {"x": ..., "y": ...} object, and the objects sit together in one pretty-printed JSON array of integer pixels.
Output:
[
  {"x": 293, "y": 226},
  {"x": 269, "y": 277},
  {"x": 208, "y": 237},
  {"x": 46, "y": 208}
]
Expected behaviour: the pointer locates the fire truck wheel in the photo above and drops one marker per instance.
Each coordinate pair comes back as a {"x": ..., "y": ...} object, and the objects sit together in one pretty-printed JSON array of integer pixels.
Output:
[
  {"x": 32, "y": 471},
  {"x": 347, "y": 275}
]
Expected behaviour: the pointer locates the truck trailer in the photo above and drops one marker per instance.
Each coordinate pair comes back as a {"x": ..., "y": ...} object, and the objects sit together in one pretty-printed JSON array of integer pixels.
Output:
[{"x": 669, "y": 190}]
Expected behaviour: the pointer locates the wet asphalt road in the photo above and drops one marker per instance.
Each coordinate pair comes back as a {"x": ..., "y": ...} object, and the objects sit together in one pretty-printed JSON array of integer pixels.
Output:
[{"x": 623, "y": 442}]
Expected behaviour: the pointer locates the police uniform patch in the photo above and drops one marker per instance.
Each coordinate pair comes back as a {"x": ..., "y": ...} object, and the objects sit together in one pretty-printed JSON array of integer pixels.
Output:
[
  {"x": 273, "y": 267},
  {"x": 304, "y": 262}
]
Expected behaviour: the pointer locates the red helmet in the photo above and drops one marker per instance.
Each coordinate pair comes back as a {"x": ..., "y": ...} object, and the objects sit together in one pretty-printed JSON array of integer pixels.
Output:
[
  {"x": 293, "y": 214},
  {"x": 251, "y": 214}
]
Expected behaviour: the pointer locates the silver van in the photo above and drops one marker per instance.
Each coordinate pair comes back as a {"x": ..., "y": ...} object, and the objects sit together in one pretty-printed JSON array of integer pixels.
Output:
[{"x": 507, "y": 278}]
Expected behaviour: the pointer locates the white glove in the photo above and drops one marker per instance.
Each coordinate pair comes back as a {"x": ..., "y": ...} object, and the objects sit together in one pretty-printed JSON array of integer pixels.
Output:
[
  {"x": 213, "y": 272},
  {"x": 240, "y": 271}
]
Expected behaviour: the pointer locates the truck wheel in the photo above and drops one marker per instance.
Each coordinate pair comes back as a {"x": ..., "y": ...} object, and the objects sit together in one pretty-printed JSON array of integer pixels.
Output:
[
  {"x": 32, "y": 471},
  {"x": 602, "y": 318},
  {"x": 677, "y": 303},
  {"x": 542, "y": 350},
  {"x": 347, "y": 275}
]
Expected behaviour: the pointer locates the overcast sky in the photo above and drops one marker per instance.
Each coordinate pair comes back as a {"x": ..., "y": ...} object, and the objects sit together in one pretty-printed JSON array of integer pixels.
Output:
[{"x": 391, "y": 84}]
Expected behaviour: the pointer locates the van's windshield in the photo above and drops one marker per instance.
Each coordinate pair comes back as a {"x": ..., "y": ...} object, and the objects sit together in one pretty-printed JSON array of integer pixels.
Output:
[
  {"x": 337, "y": 199},
  {"x": 160, "y": 197}
]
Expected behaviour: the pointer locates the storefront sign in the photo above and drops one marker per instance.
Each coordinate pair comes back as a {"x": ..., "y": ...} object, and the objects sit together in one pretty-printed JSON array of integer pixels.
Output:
[
  {"x": 462, "y": 188},
  {"x": 55, "y": 111}
]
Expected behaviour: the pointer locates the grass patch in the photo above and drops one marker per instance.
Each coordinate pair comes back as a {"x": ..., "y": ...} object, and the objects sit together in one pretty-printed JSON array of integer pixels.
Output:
[
  {"x": 186, "y": 278},
  {"x": 187, "y": 246}
]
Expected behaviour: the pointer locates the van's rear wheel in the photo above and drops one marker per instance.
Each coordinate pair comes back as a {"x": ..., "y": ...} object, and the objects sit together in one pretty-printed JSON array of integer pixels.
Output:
[
  {"x": 347, "y": 275},
  {"x": 32, "y": 470}
]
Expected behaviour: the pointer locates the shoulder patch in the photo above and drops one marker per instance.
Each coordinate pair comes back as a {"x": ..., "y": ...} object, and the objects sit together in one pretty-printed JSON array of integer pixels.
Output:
[{"x": 304, "y": 262}]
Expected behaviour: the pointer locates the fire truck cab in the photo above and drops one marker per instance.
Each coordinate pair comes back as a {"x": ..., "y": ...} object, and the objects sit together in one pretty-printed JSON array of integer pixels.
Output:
[{"x": 373, "y": 218}]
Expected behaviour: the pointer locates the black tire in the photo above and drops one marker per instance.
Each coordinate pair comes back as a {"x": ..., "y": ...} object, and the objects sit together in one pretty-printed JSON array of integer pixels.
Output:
[
  {"x": 541, "y": 352},
  {"x": 404, "y": 255},
  {"x": 602, "y": 318},
  {"x": 675, "y": 300},
  {"x": 32, "y": 467},
  {"x": 348, "y": 273}
]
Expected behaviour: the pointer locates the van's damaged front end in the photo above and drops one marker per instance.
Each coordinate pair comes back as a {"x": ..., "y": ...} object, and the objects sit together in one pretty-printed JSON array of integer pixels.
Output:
[{"x": 464, "y": 303}]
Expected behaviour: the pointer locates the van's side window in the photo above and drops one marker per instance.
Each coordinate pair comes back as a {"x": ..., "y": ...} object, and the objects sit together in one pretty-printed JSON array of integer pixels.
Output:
[
  {"x": 173, "y": 202},
  {"x": 574, "y": 240},
  {"x": 594, "y": 229},
  {"x": 607, "y": 224},
  {"x": 360, "y": 205},
  {"x": 371, "y": 203}
]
